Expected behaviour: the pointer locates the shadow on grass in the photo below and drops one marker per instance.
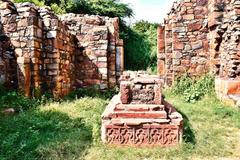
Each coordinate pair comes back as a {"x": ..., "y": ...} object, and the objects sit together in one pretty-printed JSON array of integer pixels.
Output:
[
  {"x": 43, "y": 135},
  {"x": 188, "y": 133}
]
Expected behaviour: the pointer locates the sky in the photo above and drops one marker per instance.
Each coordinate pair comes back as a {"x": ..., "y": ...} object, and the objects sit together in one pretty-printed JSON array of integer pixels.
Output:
[{"x": 151, "y": 10}]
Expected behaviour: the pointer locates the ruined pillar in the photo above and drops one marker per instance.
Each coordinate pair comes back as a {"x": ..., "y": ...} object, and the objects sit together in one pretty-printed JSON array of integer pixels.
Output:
[
  {"x": 161, "y": 51},
  {"x": 168, "y": 52},
  {"x": 24, "y": 75},
  {"x": 27, "y": 43},
  {"x": 215, "y": 17},
  {"x": 119, "y": 58},
  {"x": 58, "y": 55}
]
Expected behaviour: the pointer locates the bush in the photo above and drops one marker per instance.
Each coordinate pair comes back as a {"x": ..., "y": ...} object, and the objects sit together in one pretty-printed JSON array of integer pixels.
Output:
[
  {"x": 192, "y": 89},
  {"x": 13, "y": 99},
  {"x": 16, "y": 100}
]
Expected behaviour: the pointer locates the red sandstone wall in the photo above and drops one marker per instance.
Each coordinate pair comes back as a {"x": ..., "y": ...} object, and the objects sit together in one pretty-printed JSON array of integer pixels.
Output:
[
  {"x": 198, "y": 36},
  {"x": 19, "y": 26},
  {"x": 7, "y": 60},
  {"x": 96, "y": 50},
  {"x": 182, "y": 41},
  {"x": 57, "y": 54},
  {"x": 224, "y": 35},
  {"x": 53, "y": 54}
]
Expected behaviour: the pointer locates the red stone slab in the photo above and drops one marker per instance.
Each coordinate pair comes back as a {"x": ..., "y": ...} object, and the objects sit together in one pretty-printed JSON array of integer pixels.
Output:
[
  {"x": 147, "y": 135},
  {"x": 137, "y": 121},
  {"x": 132, "y": 114},
  {"x": 147, "y": 80},
  {"x": 139, "y": 107}
]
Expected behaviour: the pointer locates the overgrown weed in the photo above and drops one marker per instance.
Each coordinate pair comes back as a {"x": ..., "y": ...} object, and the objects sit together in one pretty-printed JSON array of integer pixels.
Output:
[{"x": 194, "y": 89}]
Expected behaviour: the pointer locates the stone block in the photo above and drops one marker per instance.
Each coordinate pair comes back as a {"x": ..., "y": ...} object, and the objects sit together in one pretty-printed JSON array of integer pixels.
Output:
[
  {"x": 125, "y": 90},
  {"x": 102, "y": 59},
  {"x": 139, "y": 114},
  {"x": 103, "y": 70},
  {"x": 51, "y": 34},
  {"x": 53, "y": 73},
  {"x": 194, "y": 27},
  {"x": 23, "y": 60},
  {"x": 179, "y": 29},
  {"x": 178, "y": 45},
  {"x": 197, "y": 45},
  {"x": 188, "y": 16},
  {"x": 52, "y": 66}
]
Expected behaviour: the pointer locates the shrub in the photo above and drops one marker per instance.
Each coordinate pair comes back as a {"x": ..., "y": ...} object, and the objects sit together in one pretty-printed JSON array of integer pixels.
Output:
[
  {"x": 16, "y": 100},
  {"x": 193, "y": 89},
  {"x": 181, "y": 84},
  {"x": 13, "y": 99}
]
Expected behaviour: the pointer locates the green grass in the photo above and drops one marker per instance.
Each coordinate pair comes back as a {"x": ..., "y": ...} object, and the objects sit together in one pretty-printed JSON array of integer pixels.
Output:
[{"x": 71, "y": 130}]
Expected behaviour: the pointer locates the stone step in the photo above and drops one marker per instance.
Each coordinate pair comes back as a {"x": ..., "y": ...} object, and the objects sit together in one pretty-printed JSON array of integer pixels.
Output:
[
  {"x": 137, "y": 121},
  {"x": 132, "y": 114},
  {"x": 139, "y": 107},
  {"x": 147, "y": 80}
]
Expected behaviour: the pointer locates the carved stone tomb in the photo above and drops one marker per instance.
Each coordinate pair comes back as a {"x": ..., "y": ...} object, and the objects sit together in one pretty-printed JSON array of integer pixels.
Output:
[{"x": 139, "y": 115}]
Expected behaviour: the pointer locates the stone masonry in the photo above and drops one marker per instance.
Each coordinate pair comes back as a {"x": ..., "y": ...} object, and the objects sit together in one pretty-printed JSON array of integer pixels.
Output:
[
  {"x": 96, "y": 50},
  {"x": 139, "y": 116},
  {"x": 199, "y": 36},
  {"x": 182, "y": 40},
  {"x": 43, "y": 52},
  {"x": 224, "y": 35}
]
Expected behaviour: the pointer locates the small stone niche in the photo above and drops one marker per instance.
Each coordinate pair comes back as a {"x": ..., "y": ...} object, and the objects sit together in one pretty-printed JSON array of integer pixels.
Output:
[{"x": 139, "y": 116}]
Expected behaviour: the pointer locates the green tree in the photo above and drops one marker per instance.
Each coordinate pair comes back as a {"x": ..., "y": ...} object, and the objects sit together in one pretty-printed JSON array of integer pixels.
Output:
[
  {"x": 141, "y": 46},
  {"x": 111, "y": 8}
]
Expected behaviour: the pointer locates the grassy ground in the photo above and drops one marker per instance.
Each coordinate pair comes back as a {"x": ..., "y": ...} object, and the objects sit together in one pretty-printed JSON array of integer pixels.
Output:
[{"x": 71, "y": 130}]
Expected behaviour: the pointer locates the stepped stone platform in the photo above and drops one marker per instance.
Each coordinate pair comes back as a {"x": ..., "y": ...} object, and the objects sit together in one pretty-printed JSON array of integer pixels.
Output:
[{"x": 139, "y": 115}]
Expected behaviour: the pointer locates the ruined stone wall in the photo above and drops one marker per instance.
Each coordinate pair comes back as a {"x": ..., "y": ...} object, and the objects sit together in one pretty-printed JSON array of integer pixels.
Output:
[
  {"x": 57, "y": 54},
  {"x": 27, "y": 44},
  {"x": 18, "y": 32},
  {"x": 224, "y": 27},
  {"x": 7, "y": 58},
  {"x": 224, "y": 20},
  {"x": 183, "y": 44},
  {"x": 98, "y": 39},
  {"x": 199, "y": 36},
  {"x": 41, "y": 52}
]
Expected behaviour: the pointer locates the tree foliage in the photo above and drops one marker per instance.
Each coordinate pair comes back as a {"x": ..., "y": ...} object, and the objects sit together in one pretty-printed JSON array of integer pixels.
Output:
[
  {"x": 141, "y": 46},
  {"x": 111, "y": 8}
]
